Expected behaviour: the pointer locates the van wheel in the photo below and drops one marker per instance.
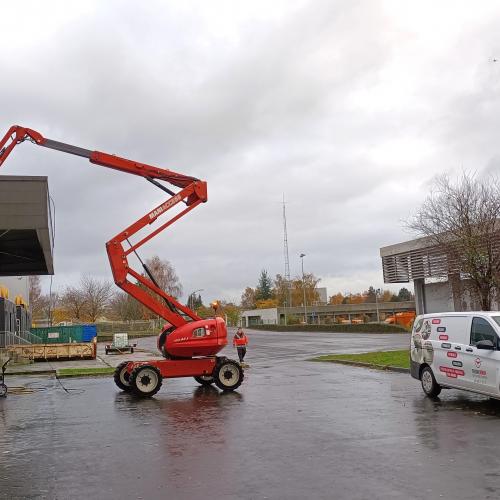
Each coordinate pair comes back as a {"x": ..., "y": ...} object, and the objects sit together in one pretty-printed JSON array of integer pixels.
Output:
[{"x": 429, "y": 384}]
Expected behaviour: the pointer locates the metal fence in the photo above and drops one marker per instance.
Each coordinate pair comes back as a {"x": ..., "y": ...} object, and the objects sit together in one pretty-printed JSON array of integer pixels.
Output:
[
  {"x": 152, "y": 326},
  {"x": 9, "y": 338}
]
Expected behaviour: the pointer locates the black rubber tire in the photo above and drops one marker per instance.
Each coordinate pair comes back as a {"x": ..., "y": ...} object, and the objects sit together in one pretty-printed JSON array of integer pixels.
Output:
[
  {"x": 205, "y": 380},
  {"x": 143, "y": 383},
  {"x": 122, "y": 380},
  {"x": 429, "y": 384},
  {"x": 3, "y": 390},
  {"x": 131, "y": 350},
  {"x": 228, "y": 375}
]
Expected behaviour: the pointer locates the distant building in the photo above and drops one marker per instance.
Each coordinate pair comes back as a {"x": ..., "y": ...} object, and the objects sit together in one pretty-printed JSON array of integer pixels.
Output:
[{"x": 325, "y": 314}]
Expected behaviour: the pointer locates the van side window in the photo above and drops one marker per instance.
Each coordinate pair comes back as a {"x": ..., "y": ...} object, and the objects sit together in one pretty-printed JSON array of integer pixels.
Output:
[
  {"x": 418, "y": 326},
  {"x": 482, "y": 330}
]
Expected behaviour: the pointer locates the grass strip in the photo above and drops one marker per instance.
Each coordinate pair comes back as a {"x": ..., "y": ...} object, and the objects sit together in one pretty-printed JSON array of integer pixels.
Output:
[
  {"x": 85, "y": 372},
  {"x": 381, "y": 359}
]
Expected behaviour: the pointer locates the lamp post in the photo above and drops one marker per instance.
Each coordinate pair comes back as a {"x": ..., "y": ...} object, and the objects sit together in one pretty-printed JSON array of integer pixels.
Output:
[
  {"x": 377, "y": 291},
  {"x": 191, "y": 298},
  {"x": 302, "y": 255}
]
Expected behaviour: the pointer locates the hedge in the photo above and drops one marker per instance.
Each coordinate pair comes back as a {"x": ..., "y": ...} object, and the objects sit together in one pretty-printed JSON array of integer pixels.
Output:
[{"x": 356, "y": 328}]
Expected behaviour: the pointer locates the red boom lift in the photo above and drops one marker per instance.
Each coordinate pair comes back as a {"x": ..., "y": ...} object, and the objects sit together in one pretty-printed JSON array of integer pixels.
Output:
[{"x": 188, "y": 343}]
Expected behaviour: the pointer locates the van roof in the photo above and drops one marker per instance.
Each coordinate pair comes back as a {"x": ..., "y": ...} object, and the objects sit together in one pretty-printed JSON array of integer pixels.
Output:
[{"x": 461, "y": 313}]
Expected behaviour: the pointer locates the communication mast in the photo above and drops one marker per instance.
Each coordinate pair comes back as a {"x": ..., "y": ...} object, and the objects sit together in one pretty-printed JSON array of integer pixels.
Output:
[{"x": 288, "y": 296}]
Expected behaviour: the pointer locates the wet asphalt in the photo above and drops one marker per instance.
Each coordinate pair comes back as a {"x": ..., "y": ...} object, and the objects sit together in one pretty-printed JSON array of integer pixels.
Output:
[{"x": 295, "y": 430}]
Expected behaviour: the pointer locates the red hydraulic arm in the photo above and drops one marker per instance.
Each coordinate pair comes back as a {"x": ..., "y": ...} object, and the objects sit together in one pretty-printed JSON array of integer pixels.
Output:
[{"x": 192, "y": 192}]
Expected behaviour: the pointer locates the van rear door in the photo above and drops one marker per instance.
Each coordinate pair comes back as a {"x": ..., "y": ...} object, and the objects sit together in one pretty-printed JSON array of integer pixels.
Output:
[{"x": 449, "y": 336}]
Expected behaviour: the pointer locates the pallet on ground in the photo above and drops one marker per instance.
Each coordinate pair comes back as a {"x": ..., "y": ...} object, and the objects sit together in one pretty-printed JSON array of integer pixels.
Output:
[{"x": 39, "y": 352}]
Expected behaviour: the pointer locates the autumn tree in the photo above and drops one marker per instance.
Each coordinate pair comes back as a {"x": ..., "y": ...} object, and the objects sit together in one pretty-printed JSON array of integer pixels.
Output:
[
  {"x": 336, "y": 299},
  {"x": 73, "y": 300},
  {"x": 282, "y": 292},
  {"x": 461, "y": 219},
  {"x": 308, "y": 282},
  {"x": 354, "y": 298},
  {"x": 266, "y": 304}
]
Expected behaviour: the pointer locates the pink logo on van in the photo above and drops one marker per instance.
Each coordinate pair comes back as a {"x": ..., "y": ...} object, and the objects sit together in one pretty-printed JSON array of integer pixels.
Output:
[
  {"x": 443, "y": 337},
  {"x": 436, "y": 321}
]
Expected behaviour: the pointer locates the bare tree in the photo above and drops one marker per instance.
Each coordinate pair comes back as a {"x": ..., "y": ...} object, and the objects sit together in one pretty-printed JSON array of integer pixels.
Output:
[
  {"x": 124, "y": 307},
  {"x": 48, "y": 304},
  {"x": 97, "y": 295},
  {"x": 462, "y": 220},
  {"x": 165, "y": 275},
  {"x": 248, "y": 298},
  {"x": 74, "y": 300},
  {"x": 35, "y": 299}
]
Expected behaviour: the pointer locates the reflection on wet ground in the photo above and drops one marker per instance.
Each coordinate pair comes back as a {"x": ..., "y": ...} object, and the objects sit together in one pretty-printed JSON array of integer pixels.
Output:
[{"x": 295, "y": 430}]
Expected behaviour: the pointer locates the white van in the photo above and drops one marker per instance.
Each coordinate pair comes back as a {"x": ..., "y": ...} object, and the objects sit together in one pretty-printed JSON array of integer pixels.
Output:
[{"x": 457, "y": 350}]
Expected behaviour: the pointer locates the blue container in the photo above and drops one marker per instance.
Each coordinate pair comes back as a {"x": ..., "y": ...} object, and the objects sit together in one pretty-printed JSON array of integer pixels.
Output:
[{"x": 89, "y": 332}]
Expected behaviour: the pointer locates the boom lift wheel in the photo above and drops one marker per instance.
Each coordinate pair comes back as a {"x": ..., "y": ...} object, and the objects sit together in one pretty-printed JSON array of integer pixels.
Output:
[
  {"x": 145, "y": 381},
  {"x": 205, "y": 380},
  {"x": 3, "y": 390},
  {"x": 122, "y": 377},
  {"x": 228, "y": 375}
]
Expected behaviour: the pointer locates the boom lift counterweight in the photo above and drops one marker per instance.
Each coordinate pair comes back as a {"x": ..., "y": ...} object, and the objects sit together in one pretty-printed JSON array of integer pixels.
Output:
[{"x": 188, "y": 342}]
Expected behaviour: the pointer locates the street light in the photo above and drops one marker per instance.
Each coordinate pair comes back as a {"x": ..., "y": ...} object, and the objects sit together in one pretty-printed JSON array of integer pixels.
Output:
[
  {"x": 191, "y": 298},
  {"x": 377, "y": 291},
  {"x": 302, "y": 255}
]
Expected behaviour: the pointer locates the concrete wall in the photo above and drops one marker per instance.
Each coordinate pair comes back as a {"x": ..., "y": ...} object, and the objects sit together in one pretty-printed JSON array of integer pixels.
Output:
[
  {"x": 444, "y": 296},
  {"x": 259, "y": 317}
]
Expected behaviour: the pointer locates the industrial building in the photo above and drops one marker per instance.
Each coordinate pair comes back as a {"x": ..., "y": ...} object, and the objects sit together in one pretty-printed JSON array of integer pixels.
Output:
[
  {"x": 436, "y": 288},
  {"x": 26, "y": 242}
]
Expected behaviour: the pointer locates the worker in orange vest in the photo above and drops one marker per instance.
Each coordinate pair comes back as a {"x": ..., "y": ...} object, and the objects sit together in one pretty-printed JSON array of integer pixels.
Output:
[{"x": 240, "y": 341}]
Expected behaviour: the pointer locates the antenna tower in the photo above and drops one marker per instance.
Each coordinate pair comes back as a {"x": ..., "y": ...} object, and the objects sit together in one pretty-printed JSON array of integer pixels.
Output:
[{"x": 288, "y": 301}]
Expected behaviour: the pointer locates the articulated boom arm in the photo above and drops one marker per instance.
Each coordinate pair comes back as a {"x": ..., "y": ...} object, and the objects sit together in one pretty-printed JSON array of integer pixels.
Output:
[{"x": 192, "y": 193}]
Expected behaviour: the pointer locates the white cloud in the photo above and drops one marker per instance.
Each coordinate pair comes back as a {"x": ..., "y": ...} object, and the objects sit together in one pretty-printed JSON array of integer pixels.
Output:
[{"x": 349, "y": 108}]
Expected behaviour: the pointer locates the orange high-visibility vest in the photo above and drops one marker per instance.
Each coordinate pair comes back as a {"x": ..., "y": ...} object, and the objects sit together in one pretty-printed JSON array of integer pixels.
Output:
[{"x": 240, "y": 341}]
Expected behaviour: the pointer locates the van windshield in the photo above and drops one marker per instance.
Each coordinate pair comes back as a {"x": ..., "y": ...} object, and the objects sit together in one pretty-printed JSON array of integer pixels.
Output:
[{"x": 497, "y": 319}]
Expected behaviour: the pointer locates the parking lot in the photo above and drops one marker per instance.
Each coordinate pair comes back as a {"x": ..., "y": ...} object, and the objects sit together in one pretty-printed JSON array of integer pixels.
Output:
[{"x": 296, "y": 429}]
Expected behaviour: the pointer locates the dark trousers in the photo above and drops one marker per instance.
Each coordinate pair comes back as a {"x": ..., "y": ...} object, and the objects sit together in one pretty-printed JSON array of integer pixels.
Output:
[{"x": 241, "y": 353}]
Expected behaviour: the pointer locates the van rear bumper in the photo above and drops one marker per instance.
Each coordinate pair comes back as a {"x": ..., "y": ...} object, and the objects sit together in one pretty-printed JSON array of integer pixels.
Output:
[{"x": 415, "y": 369}]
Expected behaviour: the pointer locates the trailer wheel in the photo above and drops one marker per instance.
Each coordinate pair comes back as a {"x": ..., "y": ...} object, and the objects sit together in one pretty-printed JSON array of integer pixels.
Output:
[
  {"x": 429, "y": 384},
  {"x": 145, "y": 381},
  {"x": 122, "y": 377},
  {"x": 205, "y": 380},
  {"x": 3, "y": 390},
  {"x": 131, "y": 350},
  {"x": 228, "y": 375}
]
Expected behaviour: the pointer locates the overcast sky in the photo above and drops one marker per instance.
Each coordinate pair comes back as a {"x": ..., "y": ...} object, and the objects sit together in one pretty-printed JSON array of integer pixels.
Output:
[{"x": 348, "y": 108}]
